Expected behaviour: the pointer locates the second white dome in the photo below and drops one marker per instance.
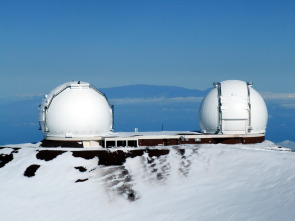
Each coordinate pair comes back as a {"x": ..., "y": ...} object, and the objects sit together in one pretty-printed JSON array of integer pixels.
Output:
[{"x": 233, "y": 107}]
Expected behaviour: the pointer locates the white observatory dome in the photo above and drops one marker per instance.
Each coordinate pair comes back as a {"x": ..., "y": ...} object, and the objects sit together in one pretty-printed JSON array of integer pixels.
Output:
[
  {"x": 233, "y": 107},
  {"x": 75, "y": 111}
]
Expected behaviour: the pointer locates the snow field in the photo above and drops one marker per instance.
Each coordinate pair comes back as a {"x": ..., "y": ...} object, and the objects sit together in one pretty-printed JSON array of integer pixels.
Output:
[{"x": 206, "y": 182}]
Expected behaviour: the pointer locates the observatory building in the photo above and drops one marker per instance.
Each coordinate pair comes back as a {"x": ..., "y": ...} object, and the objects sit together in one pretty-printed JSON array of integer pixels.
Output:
[
  {"x": 233, "y": 107},
  {"x": 76, "y": 114},
  {"x": 75, "y": 111}
]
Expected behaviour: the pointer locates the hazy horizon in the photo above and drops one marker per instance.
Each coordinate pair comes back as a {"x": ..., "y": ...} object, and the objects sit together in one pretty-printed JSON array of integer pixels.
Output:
[{"x": 176, "y": 108}]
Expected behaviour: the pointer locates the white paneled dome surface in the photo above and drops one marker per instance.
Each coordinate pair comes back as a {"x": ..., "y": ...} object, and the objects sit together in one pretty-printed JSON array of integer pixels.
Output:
[
  {"x": 233, "y": 107},
  {"x": 75, "y": 110}
]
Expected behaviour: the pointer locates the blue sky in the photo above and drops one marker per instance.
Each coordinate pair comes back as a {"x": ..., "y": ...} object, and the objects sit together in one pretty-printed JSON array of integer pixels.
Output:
[{"x": 112, "y": 43}]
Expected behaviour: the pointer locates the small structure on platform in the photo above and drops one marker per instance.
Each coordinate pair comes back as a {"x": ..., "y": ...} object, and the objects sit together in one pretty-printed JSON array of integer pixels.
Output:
[{"x": 76, "y": 114}]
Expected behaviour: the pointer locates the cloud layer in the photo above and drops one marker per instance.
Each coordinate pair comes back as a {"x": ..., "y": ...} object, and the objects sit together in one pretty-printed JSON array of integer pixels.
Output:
[
  {"x": 271, "y": 95},
  {"x": 162, "y": 100}
]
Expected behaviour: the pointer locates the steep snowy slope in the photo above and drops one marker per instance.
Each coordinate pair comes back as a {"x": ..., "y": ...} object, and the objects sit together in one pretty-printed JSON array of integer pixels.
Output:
[{"x": 206, "y": 182}]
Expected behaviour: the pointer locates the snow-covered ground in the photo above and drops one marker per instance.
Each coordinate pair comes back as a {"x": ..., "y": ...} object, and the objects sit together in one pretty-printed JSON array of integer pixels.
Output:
[{"x": 208, "y": 182}]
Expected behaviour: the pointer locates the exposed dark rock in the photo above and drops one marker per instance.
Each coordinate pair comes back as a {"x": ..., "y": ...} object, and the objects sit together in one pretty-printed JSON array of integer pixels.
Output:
[
  {"x": 117, "y": 158},
  {"x": 31, "y": 170},
  {"x": 160, "y": 176},
  {"x": 157, "y": 152},
  {"x": 81, "y": 169},
  {"x": 81, "y": 180},
  {"x": 87, "y": 155},
  {"x": 131, "y": 194},
  {"x": 106, "y": 157},
  {"x": 119, "y": 181},
  {"x": 48, "y": 155},
  {"x": 154, "y": 170},
  {"x": 5, "y": 158},
  {"x": 124, "y": 172},
  {"x": 180, "y": 151}
]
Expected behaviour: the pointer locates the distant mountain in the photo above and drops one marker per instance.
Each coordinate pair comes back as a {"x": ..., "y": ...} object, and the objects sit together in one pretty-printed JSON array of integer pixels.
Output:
[{"x": 151, "y": 91}]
